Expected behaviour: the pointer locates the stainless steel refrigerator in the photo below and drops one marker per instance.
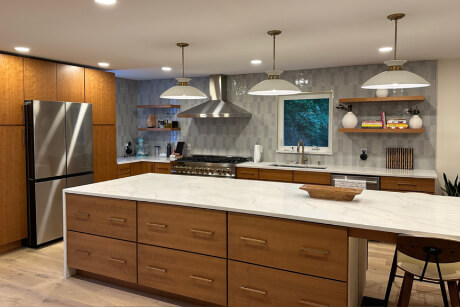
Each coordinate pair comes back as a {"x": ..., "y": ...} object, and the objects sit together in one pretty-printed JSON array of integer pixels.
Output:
[{"x": 59, "y": 151}]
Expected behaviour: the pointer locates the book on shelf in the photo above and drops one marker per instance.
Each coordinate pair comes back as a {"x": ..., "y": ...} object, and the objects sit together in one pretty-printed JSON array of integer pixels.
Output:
[
  {"x": 396, "y": 121},
  {"x": 372, "y": 124}
]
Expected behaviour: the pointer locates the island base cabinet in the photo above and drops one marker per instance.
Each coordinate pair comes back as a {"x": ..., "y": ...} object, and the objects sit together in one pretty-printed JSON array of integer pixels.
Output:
[
  {"x": 252, "y": 286},
  {"x": 103, "y": 256},
  {"x": 196, "y": 276}
]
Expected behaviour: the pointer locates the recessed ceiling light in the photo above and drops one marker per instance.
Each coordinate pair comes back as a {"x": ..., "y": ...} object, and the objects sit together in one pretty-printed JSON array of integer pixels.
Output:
[
  {"x": 103, "y": 64},
  {"x": 22, "y": 49},
  {"x": 166, "y": 68},
  {"x": 106, "y": 2},
  {"x": 256, "y": 62},
  {"x": 385, "y": 49}
]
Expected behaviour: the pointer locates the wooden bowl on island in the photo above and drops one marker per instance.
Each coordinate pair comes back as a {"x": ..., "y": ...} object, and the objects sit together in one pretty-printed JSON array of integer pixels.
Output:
[{"x": 331, "y": 193}]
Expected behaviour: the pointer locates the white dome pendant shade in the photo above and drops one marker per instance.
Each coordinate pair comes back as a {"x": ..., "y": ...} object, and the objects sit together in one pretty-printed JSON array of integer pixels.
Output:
[
  {"x": 395, "y": 77},
  {"x": 183, "y": 90},
  {"x": 274, "y": 85}
]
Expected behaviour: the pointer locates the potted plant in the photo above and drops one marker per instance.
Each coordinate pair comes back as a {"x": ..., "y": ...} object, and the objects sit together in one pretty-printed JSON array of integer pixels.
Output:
[{"x": 451, "y": 189}]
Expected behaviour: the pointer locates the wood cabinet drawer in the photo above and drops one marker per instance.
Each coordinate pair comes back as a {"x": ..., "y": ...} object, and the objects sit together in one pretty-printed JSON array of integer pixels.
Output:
[
  {"x": 104, "y": 256},
  {"x": 108, "y": 217},
  {"x": 196, "y": 276},
  {"x": 196, "y": 230},
  {"x": 291, "y": 245},
  {"x": 124, "y": 169},
  {"x": 312, "y": 177},
  {"x": 251, "y": 285},
  {"x": 275, "y": 175},
  {"x": 162, "y": 168},
  {"x": 407, "y": 184},
  {"x": 247, "y": 173}
]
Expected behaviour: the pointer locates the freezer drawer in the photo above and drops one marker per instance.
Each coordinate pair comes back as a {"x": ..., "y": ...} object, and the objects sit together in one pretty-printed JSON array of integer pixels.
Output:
[
  {"x": 48, "y": 210},
  {"x": 79, "y": 137}
]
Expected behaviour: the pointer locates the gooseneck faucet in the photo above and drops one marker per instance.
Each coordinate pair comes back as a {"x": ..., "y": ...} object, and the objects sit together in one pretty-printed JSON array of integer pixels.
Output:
[{"x": 304, "y": 159}]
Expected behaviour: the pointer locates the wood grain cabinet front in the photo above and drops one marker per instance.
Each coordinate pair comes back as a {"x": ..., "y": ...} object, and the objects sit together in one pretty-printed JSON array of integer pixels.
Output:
[
  {"x": 275, "y": 175},
  {"x": 402, "y": 184},
  {"x": 247, "y": 173},
  {"x": 312, "y": 177},
  {"x": 70, "y": 83},
  {"x": 39, "y": 80},
  {"x": 124, "y": 170},
  {"x": 11, "y": 90},
  {"x": 252, "y": 286},
  {"x": 139, "y": 168},
  {"x": 100, "y": 91},
  {"x": 196, "y": 276},
  {"x": 307, "y": 248},
  {"x": 103, "y": 256},
  {"x": 162, "y": 168},
  {"x": 190, "y": 229},
  {"x": 108, "y": 217},
  {"x": 105, "y": 152}
]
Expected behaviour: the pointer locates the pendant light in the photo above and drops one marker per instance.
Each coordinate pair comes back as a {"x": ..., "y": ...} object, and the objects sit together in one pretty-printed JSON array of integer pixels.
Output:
[
  {"x": 395, "y": 77},
  {"x": 183, "y": 90},
  {"x": 274, "y": 85}
]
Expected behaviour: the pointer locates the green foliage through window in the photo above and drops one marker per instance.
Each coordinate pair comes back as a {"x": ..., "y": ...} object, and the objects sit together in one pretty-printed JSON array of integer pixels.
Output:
[{"x": 307, "y": 120}]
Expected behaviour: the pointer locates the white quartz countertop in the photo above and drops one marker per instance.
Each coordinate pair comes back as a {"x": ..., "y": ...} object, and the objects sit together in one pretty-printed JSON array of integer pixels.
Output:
[
  {"x": 410, "y": 213},
  {"x": 124, "y": 160},
  {"x": 350, "y": 170}
]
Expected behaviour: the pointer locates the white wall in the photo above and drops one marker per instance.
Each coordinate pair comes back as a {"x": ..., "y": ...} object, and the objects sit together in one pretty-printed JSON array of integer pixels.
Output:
[{"x": 448, "y": 121}]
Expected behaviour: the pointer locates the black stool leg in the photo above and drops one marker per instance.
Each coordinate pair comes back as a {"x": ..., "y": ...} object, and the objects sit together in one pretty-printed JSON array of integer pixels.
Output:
[
  {"x": 391, "y": 279},
  {"x": 444, "y": 293}
]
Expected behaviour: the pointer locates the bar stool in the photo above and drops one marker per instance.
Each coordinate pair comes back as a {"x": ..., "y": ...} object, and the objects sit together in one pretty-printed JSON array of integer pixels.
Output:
[{"x": 431, "y": 259}]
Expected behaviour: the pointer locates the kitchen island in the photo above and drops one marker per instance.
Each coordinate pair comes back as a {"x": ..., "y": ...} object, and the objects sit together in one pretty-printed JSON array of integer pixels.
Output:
[{"x": 270, "y": 240}]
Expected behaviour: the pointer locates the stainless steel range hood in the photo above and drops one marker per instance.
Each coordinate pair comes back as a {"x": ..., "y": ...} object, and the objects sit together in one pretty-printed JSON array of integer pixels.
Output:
[{"x": 217, "y": 106}]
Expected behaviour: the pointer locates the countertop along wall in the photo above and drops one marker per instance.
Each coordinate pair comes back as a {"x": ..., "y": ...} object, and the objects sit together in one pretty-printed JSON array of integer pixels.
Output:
[{"x": 235, "y": 136}]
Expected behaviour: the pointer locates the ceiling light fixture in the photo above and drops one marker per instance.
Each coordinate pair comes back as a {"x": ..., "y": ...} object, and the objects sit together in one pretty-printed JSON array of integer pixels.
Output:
[
  {"x": 22, "y": 49},
  {"x": 274, "y": 85},
  {"x": 106, "y": 2},
  {"x": 166, "y": 68},
  {"x": 385, "y": 49},
  {"x": 103, "y": 64},
  {"x": 256, "y": 62},
  {"x": 183, "y": 90},
  {"x": 395, "y": 77}
]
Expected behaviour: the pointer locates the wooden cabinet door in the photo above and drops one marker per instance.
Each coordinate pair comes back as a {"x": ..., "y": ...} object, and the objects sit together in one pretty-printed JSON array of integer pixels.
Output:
[
  {"x": 100, "y": 91},
  {"x": 13, "y": 202},
  {"x": 105, "y": 152},
  {"x": 70, "y": 83},
  {"x": 39, "y": 80},
  {"x": 11, "y": 90}
]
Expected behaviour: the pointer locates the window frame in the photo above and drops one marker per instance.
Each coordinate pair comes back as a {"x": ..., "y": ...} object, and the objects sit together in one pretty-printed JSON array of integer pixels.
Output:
[{"x": 280, "y": 122}]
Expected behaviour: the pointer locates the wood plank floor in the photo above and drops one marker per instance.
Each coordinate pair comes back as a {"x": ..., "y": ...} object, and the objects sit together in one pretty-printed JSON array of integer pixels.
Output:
[{"x": 30, "y": 277}]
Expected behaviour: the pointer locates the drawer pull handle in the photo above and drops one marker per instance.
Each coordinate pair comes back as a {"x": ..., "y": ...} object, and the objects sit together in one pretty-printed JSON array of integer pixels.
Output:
[
  {"x": 253, "y": 290},
  {"x": 83, "y": 252},
  {"x": 204, "y": 232},
  {"x": 117, "y": 260},
  {"x": 156, "y": 269},
  {"x": 247, "y": 173},
  {"x": 314, "y": 250},
  {"x": 253, "y": 240},
  {"x": 157, "y": 225},
  {"x": 116, "y": 219},
  {"x": 407, "y": 183},
  {"x": 312, "y": 304},
  {"x": 82, "y": 213},
  {"x": 201, "y": 278}
]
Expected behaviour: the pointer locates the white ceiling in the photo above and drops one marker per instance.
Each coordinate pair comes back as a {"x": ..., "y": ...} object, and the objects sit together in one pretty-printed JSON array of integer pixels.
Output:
[{"x": 137, "y": 37}]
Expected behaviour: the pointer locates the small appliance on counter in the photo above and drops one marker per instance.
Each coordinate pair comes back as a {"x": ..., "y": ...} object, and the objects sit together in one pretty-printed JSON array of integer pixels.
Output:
[
  {"x": 128, "y": 149},
  {"x": 141, "y": 148},
  {"x": 157, "y": 150}
]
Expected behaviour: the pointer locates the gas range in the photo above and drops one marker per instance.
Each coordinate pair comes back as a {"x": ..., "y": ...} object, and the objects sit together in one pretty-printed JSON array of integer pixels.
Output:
[{"x": 207, "y": 165}]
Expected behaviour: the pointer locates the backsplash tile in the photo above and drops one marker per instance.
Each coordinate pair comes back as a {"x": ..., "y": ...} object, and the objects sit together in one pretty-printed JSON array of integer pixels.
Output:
[{"x": 237, "y": 136}]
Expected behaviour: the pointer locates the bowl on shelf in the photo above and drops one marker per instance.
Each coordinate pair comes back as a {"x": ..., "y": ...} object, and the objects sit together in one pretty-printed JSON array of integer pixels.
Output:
[{"x": 331, "y": 193}]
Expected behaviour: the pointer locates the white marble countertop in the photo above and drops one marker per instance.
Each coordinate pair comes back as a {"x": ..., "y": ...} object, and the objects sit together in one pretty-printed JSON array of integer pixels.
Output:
[
  {"x": 350, "y": 170},
  {"x": 124, "y": 160},
  {"x": 410, "y": 213}
]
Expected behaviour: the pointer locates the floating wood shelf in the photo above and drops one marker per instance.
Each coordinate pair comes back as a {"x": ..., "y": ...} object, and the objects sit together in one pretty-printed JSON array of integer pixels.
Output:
[
  {"x": 158, "y": 129},
  {"x": 158, "y": 106},
  {"x": 382, "y": 99},
  {"x": 374, "y": 130}
]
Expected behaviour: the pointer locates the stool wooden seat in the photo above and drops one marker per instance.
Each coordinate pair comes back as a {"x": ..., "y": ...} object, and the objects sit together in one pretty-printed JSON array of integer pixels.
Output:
[{"x": 427, "y": 259}]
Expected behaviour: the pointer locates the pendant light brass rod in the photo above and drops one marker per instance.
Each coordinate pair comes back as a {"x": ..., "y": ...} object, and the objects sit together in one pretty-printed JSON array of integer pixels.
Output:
[
  {"x": 274, "y": 60},
  {"x": 183, "y": 65},
  {"x": 274, "y": 33},
  {"x": 396, "y": 39}
]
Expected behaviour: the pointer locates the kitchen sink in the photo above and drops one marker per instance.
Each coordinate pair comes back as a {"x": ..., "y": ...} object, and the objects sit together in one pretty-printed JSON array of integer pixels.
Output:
[{"x": 298, "y": 165}]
